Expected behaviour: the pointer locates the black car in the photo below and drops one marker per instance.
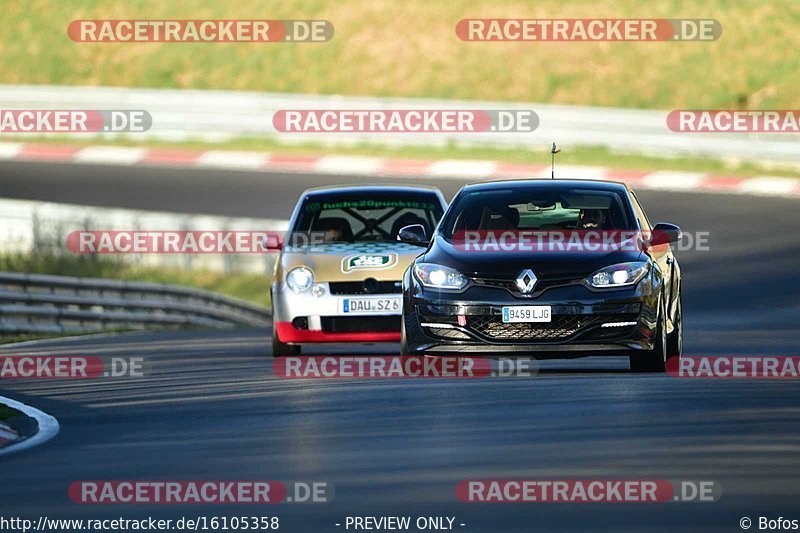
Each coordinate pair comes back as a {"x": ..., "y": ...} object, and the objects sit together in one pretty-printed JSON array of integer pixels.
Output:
[{"x": 477, "y": 290}]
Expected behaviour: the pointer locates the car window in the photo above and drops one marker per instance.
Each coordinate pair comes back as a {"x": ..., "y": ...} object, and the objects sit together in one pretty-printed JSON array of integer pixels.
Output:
[
  {"x": 639, "y": 212},
  {"x": 523, "y": 209},
  {"x": 367, "y": 218}
]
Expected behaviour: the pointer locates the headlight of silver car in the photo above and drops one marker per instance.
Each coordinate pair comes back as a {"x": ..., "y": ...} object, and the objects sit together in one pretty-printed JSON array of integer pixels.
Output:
[
  {"x": 619, "y": 275},
  {"x": 439, "y": 277},
  {"x": 300, "y": 279}
]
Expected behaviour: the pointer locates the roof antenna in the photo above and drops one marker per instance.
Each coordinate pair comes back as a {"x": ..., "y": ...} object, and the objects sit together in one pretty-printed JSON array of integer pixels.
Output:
[{"x": 553, "y": 152}]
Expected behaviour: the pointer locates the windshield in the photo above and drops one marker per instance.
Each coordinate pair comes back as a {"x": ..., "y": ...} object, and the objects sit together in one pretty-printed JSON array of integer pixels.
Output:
[
  {"x": 367, "y": 217},
  {"x": 526, "y": 208}
]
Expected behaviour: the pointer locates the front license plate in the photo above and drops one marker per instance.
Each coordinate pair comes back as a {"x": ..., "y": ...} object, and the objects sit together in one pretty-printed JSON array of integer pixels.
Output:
[
  {"x": 526, "y": 313},
  {"x": 371, "y": 306}
]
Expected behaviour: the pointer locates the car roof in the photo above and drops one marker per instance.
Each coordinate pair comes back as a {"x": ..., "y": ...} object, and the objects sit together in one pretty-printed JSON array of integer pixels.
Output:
[
  {"x": 548, "y": 184},
  {"x": 370, "y": 189}
]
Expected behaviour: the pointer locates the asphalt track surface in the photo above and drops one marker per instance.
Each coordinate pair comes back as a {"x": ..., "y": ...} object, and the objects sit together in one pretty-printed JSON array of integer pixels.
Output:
[{"x": 210, "y": 406}]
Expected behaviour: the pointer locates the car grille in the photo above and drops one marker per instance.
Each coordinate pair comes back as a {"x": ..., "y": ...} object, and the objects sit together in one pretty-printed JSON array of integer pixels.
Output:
[
  {"x": 562, "y": 326},
  {"x": 358, "y": 324},
  {"x": 368, "y": 286},
  {"x": 541, "y": 285}
]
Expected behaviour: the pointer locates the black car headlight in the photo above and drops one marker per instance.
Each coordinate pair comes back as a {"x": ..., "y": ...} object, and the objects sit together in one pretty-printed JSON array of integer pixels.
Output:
[
  {"x": 439, "y": 277},
  {"x": 619, "y": 275}
]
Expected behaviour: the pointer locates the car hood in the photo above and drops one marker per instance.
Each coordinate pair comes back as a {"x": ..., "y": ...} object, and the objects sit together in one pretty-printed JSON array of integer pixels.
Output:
[
  {"x": 507, "y": 264},
  {"x": 352, "y": 261}
]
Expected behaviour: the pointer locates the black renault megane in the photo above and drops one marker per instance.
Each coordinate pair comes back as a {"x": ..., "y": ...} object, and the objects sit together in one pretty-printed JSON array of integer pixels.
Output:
[{"x": 545, "y": 268}]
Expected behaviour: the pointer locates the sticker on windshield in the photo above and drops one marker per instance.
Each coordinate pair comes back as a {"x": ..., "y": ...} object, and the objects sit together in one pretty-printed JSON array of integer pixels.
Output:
[
  {"x": 368, "y": 262},
  {"x": 367, "y": 204}
]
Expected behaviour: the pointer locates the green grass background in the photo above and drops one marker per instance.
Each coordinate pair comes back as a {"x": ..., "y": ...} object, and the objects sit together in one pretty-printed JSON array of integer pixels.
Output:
[{"x": 409, "y": 48}]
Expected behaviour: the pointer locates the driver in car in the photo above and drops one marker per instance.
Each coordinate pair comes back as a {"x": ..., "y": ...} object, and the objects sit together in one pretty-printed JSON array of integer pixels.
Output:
[
  {"x": 332, "y": 235},
  {"x": 591, "y": 219}
]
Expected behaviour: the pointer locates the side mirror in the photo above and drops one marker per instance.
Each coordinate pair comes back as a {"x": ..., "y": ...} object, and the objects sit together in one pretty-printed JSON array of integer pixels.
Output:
[
  {"x": 664, "y": 233},
  {"x": 413, "y": 234},
  {"x": 272, "y": 242}
]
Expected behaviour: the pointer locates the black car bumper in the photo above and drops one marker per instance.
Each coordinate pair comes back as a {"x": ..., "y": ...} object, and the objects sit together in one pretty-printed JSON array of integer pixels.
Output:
[{"x": 583, "y": 321}]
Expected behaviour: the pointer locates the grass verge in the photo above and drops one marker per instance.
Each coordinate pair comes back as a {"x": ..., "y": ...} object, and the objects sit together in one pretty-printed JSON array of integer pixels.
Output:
[
  {"x": 251, "y": 287},
  {"x": 410, "y": 48}
]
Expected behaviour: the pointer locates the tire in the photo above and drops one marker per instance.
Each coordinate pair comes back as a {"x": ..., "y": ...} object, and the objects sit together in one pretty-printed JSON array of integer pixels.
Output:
[
  {"x": 654, "y": 360},
  {"x": 675, "y": 339},
  {"x": 281, "y": 349},
  {"x": 403, "y": 340}
]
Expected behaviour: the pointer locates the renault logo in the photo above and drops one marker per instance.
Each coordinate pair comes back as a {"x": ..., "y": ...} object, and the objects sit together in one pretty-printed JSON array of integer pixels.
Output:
[{"x": 526, "y": 281}]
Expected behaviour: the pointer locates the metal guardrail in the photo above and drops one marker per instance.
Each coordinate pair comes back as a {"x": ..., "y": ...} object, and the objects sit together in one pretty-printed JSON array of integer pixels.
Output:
[
  {"x": 32, "y": 227},
  {"x": 38, "y": 303}
]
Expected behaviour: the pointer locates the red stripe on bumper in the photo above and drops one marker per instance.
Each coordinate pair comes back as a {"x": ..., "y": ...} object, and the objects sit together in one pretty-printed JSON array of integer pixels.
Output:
[{"x": 287, "y": 333}]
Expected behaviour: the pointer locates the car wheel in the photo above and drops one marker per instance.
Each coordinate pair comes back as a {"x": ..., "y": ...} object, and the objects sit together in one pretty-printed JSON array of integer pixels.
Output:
[
  {"x": 675, "y": 339},
  {"x": 654, "y": 360},
  {"x": 403, "y": 340},
  {"x": 281, "y": 349}
]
